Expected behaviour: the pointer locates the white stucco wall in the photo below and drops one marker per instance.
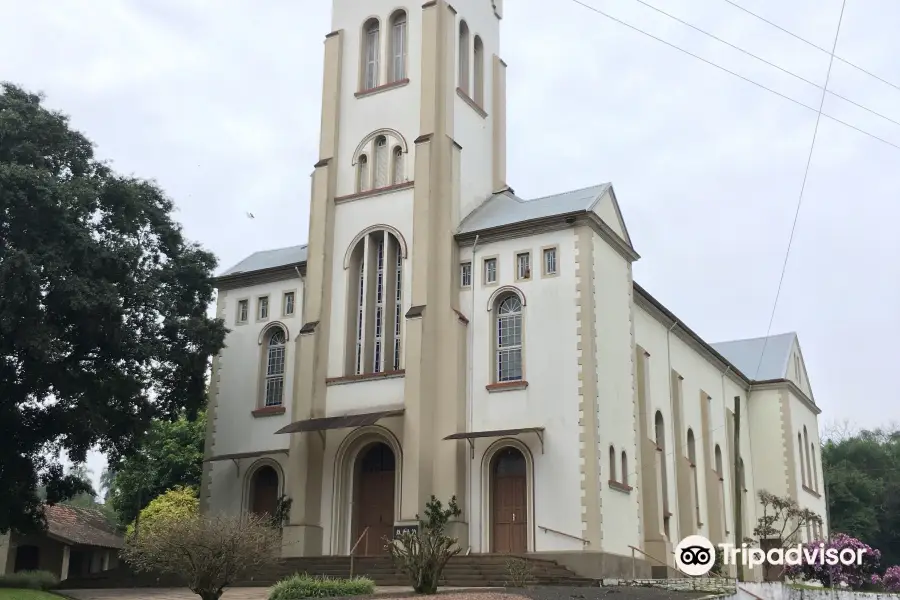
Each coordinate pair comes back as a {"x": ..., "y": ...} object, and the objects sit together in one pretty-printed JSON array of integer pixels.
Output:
[
  {"x": 802, "y": 416},
  {"x": 395, "y": 108},
  {"x": 616, "y": 397},
  {"x": 350, "y": 219},
  {"x": 551, "y": 398},
  {"x": 471, "y": 130},
  {"x": 701, "y": 378},
  {"x": 240, "y": 373}
]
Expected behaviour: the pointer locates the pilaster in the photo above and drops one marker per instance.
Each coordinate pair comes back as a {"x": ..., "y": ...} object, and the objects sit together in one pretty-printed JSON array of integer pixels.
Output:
[{"x": 303, "y": 534}]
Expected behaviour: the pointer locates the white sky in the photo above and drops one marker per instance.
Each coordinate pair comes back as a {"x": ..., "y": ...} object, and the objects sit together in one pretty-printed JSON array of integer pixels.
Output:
[{"x": 219, "y": 102}]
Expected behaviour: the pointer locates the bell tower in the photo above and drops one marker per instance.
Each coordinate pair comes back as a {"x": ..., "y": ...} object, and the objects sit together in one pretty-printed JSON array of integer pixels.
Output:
[{"x": 413, "y": 138}]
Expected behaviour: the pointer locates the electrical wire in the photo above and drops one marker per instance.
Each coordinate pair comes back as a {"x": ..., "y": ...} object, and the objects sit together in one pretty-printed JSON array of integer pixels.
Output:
[
  {"x": 812, "y": 148},
  {"x": 730, "y": 72},
  {"x": 767, "y": 62},
  {"x": 816, "y": 46}
]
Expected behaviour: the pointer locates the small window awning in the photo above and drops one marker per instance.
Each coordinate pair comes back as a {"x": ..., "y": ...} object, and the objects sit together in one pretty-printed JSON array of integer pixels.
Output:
[
  {"x": 340, "y": 422},
  {"x": 240, "y": 455},
  {"x": 471, "y": 436}
]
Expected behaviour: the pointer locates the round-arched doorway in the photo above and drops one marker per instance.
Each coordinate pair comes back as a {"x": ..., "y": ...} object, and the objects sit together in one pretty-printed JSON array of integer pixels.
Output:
[
  {"x": 509, "y": 502},
  {"x": 373, "y": 498},
  {"x": 264, "y": 491}
]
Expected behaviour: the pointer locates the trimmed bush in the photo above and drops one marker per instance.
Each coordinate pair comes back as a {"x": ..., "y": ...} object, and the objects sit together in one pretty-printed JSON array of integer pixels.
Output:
[
  {"x": 178, "y": 503},
  {"x": 307, "y": 586},
  {"x": 29, "y": 580}
]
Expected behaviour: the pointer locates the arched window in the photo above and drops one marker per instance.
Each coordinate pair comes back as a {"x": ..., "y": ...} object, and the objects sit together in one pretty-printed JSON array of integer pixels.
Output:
[
  {"x": 509, "y": 338},
  {"x": 815, "y": 472},
  {"x": 809, "y": 477},
  {"x": 398, "y": 46},
  {"x": 362, "y": 175},
  {"x": 691, "y": 447},
  {"x": 397, "y": 170},
  {"x": 478, "y": 56},
  {"x": 275, "y": 359},
  {"x": 800, "y": 457},
  {"x": 719, "y": 471},
  {"x": 612, "y": 464},
  {"x": 372, "y": 32},
  {"x": 624, "y": 468},
  {"x": 375, "y": 307},
  {"x": 692, "y": 458},
  {"x": 660, "y": 432},
  {"x": 464, "y": 56},
  {"x": 381, "y": 162}
]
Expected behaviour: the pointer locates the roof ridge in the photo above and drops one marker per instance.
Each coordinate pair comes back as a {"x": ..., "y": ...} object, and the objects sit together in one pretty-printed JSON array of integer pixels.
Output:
[
  {"x": 587, "y": 187},
  {"x": 753, "y": 339}
]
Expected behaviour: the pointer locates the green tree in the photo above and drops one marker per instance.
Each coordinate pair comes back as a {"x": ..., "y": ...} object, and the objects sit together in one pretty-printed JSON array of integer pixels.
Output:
[
  {"x": 103, "y": 308},
  {"x": 170, "y": 455},
  {"x": 178, "y": 503},
  {"x": 862, "y": 481}
]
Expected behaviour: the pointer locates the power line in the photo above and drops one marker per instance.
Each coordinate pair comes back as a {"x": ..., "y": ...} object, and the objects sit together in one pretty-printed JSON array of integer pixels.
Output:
[
  {"x": 767, "y": 62},
  {"x": 730, "y": 72},
  {"x": 816, "y": 46},
  {"x": 812, "y": 147}
]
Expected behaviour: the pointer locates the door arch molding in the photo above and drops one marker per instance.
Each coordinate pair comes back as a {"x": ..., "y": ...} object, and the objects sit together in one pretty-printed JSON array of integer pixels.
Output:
[
  {"x": 344, "y": 469},
  {"x": 487, "y": 491}
]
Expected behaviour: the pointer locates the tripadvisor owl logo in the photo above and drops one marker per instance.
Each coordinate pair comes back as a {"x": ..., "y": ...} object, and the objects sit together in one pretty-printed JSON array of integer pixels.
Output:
[{"x": 695, "y": 555}]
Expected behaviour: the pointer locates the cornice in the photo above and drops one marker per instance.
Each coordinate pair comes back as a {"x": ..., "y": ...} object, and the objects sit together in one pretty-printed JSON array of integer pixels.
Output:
[
  {"x": 259, "y": 277},
  {"x": 786, "y": 384}
]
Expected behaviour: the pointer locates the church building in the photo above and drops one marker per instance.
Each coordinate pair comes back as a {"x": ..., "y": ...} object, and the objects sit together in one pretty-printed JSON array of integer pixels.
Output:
[{"x": 440, "y": 335}]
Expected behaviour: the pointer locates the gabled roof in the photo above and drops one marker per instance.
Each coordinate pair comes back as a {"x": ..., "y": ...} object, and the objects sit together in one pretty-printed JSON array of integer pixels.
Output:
[
  {"x": 83, "y": 526},
  {"x": 745, "y": 355},
  {"x": 269, "y": 259},
  {"x": 505, "y": 208}
]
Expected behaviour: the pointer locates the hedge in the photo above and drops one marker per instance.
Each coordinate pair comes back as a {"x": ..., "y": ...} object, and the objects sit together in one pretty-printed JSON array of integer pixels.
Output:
[{"x": 306, "y": 586}]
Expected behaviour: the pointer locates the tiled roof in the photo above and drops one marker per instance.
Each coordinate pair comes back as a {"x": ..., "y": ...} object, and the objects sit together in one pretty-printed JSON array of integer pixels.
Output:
[
  {"x": 269, "y": 259},
  {"x": 745, "y": 355},
  {"x": 506, "y": 208},
  {"x": 84, "y": 526}
]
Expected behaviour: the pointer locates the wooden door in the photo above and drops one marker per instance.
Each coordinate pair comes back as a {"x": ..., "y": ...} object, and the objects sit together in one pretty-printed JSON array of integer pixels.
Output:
[
  {"x": 264, "y": 492},
  {"x": 375, "y": 499},
  {"x": 510, "y": 503}
]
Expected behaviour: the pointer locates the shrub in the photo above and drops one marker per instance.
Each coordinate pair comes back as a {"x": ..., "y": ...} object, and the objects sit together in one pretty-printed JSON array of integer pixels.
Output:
[
  {"x": 29, "y": 580},
  {"x": 209, "y": 552},
  {"x": 178, "y": 503},
  {"x": 889, "y": 582},
  {"x": 854, "y": 576},
  {"x": 422, "y": 554},
  {"x": 306, "y": 586}
]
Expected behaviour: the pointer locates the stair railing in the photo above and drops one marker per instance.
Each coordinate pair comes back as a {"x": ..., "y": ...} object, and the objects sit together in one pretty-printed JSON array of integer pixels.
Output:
[
  {"x": 363, "y": 536},
  {"x": 583, "y": 541}
]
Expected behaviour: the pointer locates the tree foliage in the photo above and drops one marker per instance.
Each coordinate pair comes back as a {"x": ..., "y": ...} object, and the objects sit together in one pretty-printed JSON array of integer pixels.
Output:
[
  {"x": 782, "y": 520},
  {"x": 209, "y": 552},
  {"x": 862, "y": 483},
  {"x": 813, "y": 568},
  {"x": 176, "y": 504},
  {"x": 103, "y": 308},
  {"x": 170, "y": 455}
]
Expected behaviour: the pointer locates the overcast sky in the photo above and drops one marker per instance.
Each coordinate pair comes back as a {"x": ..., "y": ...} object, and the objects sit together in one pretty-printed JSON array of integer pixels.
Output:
[{"x": 219, "y": 103}]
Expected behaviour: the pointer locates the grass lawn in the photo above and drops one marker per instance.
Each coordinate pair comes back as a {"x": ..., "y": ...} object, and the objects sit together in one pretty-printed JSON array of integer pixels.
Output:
[{"x": 10, "y": 594}]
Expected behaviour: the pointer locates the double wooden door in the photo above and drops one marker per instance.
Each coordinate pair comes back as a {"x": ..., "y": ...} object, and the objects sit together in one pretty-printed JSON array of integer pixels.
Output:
[
  {"x": 375, "y": 499},
  {"x": 509, "y": 499}
]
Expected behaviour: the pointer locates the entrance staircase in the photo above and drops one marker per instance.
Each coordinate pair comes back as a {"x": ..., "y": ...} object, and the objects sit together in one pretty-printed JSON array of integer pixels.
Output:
[{"x": 475, "y": 570}]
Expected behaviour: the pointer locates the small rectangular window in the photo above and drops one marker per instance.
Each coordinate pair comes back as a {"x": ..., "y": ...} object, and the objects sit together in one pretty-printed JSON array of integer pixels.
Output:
[
  {"x": 523, "y": 265},
  {"x": 288, "y": 303},
  {"x": 490, "y": 270},
  {"x": 465, "y": 274},
  {"x": 263, "y": 308},
  {"x": 243, "y": 311},
  {"x": 550, "y": 261}
]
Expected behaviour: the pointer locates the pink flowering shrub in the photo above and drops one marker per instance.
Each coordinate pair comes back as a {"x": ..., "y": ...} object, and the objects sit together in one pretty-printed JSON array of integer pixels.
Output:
[
  {"x": 853, "y": 575},
  {"x": 890, "y": 581}
]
